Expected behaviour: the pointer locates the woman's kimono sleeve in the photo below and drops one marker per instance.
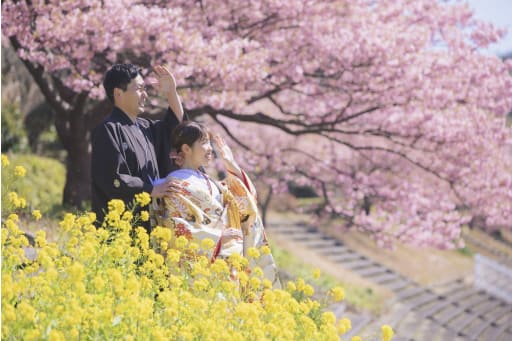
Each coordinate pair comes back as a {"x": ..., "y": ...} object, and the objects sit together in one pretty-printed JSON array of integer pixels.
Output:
[
  {"x": 189, "y": 220},
  {"x": 244, "y": 194}
]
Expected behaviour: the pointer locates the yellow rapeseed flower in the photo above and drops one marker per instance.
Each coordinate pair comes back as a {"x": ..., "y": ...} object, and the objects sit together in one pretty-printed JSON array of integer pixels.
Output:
[
  {"x": 207, "y": 244},
  {"x": 12, "y": 196},
  {"x": 116, "y": 205},
  {"x": 300, "y": 284},
  {"x": 254, "y": 282},
  {"x": 344, "y": 325},
  {"x": 98, "y": 282},
  {"x": 37, "y": 214},
  {"x": 201, "y": 284},
  {"x": 265, "y": 250},
  {"x": 181, "y": 242},
  {"x": 257, "y": 271},
  {"x": 162, "y": 233},
  {"x": 13, "y": 217},
  {"x": 338, "y": 293},
  {"x": 267, "y": 284},
  {"x": 76, "y": 272},
  {"x": 26, "y": 311},
  {"x": 253, "y": 252},
  {"x": 15, "y": 200},
  {"x": 308, "y": 290},
  {"x": 242, "y": 276},
  {"x": 387, "y": 333},
  {"x": 125, "y": 282},
  {"x": 316, "y": 273},
  {"x": 5, "y": 161},
  {"x": 20, "y": 171},
  {"x": 356, "y": 338},
  {"x": 173, "y": 256},
  {"x": 220, "y": 267},
  {"x": 40, "y": 239},
  {"x": 56, "y": 335},
  {"x": 308, "y": 325},
  {"x": 328, "y": 317},
  {"x": 175, "y": 281},
  {"x": 228, "y": 286},
  {"x": 8, "y": 312},
  {"x": 143, "y": 199},
  {"x": 164, "y": 245},
  {"x": 290, "y": 286},
  {"x": 32, "y": 335},
  {"x": 127, "y": 215},
  {"x": 144, "y": 215}
]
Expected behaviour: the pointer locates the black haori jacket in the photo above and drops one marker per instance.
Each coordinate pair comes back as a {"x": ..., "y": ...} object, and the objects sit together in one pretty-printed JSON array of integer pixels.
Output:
[{"x": 127, "y": 157}]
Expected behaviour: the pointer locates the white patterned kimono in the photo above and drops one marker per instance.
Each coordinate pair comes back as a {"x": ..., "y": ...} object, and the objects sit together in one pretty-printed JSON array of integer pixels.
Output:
[{"x": 203, "y": 208}]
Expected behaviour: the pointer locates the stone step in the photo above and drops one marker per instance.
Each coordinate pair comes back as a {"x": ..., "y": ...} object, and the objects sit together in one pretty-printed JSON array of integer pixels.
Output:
[
  {"x": 345, "y": 257},
  {"x": 507, "y": 336},
  {"x": 446, "y": 334},
  {"x": 373, "y": 270},
  {"x": 494, "y": 332},
  {"x": 428, "y": 330},
  {"x": 304, "y": 236},
  {"x": 497, "y": 313},
  {"x": 467, "y": 315},
  {"x": 475, "y": 331},
  {"x": 335, "y": 249},
  {"x": 398, "y": 285},
  {"x": 319, "y": 243},
  {"x": 505, "y": 318},
  {"x": 413, "y": 291},
  {"x": 487, "y": 306},
  {"x": 289, "y": 229},
  {"x": 394, "y": 318},
  {"x": 408, "y": 327},
  {"x": 443, "y": 302},
  {"x": 384, "y": 277},
  {"x": 457, "y": 319},
  {"x": 419, "y": 300},
  {"x": 461, "y": 324},
  {"x": 448, "y": 286},
  {"x": 354, "y": 264},
  {"x": 358, "y": 324},
  {"x": 447, "y": 314}
]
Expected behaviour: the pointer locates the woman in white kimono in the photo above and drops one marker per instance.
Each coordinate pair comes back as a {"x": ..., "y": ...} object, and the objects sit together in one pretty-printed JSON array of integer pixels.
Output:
[{"x": 200, "y": 207}]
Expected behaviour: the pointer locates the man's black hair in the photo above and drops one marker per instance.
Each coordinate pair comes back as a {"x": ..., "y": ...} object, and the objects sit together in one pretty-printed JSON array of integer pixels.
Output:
[{"x": 119, "y": 76}]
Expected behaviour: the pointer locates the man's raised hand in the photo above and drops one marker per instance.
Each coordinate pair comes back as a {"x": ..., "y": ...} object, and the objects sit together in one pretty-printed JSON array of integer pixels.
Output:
[{"x": 165, "y": 81}]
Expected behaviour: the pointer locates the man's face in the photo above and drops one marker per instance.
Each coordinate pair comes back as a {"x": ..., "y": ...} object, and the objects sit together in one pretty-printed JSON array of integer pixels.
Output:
[{"x": 132, "y": 100}]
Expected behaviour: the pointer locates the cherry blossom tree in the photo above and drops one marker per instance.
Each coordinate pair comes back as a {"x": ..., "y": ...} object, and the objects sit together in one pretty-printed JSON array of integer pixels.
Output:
[{"x": 386, "y": 107}]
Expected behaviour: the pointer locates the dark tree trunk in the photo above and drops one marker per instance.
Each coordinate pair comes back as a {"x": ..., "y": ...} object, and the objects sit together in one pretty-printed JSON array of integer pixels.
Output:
[
  {"x": 78, "y": 173},
  {"x": 264, "y": 206},
  {"x": 74, "y": 131}
]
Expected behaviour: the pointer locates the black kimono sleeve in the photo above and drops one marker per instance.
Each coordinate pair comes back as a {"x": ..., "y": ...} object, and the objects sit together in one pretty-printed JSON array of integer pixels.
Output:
[
  {"x": 110, "y": 171},
  {"x": 162, "y": 133}
]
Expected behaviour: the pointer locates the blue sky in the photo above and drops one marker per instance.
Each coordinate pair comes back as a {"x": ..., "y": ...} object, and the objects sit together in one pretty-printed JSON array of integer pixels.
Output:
[{"x": 499, "y": 12}]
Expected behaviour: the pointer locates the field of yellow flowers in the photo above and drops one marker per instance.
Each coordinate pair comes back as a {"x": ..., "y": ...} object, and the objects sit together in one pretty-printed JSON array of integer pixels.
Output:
[{"x": 119, "y": 283}]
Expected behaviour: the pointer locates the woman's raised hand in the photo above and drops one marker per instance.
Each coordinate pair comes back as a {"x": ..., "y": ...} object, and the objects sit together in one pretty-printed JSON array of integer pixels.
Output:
[
  {"x": 230, "y": 234},
  {"x": 226, "y": 155}
]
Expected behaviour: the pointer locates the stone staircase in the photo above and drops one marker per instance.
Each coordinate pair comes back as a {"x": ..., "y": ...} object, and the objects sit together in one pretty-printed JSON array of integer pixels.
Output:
[{"x": 452, "y": 311}]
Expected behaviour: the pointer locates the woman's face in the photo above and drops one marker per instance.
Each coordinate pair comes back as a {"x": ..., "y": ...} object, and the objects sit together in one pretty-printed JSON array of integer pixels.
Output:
[{"x": 201, "y": 153}]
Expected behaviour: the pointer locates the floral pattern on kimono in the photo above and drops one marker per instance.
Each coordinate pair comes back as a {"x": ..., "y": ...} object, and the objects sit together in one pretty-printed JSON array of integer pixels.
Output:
[{"x": 192, "y": 211}]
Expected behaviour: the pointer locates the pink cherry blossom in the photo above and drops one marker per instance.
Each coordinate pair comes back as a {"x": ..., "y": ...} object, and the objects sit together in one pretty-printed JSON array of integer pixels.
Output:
[{"x": 386, "y": 108}]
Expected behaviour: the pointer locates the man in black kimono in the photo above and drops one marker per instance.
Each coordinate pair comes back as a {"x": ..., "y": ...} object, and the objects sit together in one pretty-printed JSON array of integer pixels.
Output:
[{"x": 127, "y": 149}]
